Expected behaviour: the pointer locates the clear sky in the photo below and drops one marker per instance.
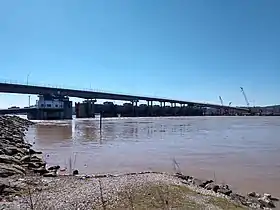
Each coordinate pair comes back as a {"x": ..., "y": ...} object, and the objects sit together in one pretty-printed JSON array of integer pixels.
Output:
[{"x": 191, "y": 50}]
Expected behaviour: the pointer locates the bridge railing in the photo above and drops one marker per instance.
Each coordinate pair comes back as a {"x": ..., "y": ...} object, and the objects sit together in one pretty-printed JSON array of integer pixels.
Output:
[
  {"x": 60, "y": 86},
  {"x": 9, "y": 81}
]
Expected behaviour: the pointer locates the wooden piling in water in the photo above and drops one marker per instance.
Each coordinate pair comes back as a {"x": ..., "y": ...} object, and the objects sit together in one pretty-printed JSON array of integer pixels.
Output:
[{"x": 100, "y": 122}]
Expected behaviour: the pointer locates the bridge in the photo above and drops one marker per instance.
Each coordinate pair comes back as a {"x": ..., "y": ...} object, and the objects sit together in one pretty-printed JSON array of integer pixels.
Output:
[
  {"x": 86, "y": 94},
  {"x": 16, "y": 110}
]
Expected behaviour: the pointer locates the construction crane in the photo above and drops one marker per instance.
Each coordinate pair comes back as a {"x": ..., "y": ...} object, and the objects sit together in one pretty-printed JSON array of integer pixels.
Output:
[
  {"x": 247, "y": 102},
  {"x": 222, "y": 102},
  {"x": 245, "y": 97}
]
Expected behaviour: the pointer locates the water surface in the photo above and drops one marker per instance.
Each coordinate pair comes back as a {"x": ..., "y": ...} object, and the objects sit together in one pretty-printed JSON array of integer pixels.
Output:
[{"x": 241, "y": 151}]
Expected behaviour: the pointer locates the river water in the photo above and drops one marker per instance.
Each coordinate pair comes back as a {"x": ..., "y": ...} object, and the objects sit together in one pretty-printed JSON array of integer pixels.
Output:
[{"x": 241, "y": 151}]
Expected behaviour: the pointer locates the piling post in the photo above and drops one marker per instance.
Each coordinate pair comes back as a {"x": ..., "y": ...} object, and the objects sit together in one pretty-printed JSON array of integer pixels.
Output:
[{"x": 100, "y": 122}]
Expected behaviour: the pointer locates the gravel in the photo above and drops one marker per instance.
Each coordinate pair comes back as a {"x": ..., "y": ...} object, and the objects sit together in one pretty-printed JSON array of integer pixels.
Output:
[{"x": 84, "y": 192}]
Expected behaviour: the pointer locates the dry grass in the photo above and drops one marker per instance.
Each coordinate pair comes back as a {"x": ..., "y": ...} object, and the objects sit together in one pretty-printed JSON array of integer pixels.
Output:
[
  {"x": 103, "y": 202},
  {"x": 224, "y": 204},
  {"x": 156, "y": 196},
  {"x": 160, "y": 196},
  {"x": 131, "y": 195}
]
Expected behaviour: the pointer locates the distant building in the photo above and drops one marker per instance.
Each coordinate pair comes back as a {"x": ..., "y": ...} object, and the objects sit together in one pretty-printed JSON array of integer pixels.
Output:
[{"x": 50, "y": 102}]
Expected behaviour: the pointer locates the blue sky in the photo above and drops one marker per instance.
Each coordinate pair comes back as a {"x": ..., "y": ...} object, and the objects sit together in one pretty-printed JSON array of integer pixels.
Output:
[{"x": 191, "y": 50}]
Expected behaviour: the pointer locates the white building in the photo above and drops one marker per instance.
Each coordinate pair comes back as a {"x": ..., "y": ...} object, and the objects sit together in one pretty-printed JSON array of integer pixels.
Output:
[{"x": 49, "y": 103}]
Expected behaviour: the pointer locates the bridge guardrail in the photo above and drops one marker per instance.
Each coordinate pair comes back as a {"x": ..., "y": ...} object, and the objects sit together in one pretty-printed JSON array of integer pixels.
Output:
[{"x": 9, "y": 81}]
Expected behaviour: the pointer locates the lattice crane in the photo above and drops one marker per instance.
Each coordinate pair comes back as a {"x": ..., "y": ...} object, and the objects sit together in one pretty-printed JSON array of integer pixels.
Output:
[
  {"x": 222, "y": 102},
  {"x": 245, "y": 97}
]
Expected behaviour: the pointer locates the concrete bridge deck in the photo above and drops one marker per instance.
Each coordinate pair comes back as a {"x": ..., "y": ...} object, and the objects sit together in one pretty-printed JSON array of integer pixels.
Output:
[
  {"x": 16, "y": 110},
  {"x": 32, "y": 89}
]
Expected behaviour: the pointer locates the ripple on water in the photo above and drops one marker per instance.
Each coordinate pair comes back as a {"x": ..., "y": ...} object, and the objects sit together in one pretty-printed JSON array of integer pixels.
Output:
[{"x": 244, "y": 151}]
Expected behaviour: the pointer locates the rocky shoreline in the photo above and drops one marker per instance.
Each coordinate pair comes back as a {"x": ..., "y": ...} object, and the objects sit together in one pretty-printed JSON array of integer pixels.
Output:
[{"x": 23, "y": 172}]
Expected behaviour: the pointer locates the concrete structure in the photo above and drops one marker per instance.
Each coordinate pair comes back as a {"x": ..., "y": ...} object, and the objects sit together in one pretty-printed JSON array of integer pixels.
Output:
[
  {"x": 108, "y": 109},
  {"x": 54, "y": 103},
  {"x": 85, "y": 109},
  {"x": 51, "y": 107},
  {"x": 48, "y": 107},
  {"x": 49, "y": 102},
  {"x": 16, "y": 110},
  {"x": 28, "y": 89}
]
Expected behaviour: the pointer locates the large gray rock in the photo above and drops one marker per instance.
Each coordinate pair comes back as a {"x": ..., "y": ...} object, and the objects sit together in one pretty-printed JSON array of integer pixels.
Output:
[
  {"x": 54, "y": 168},
  {"x": 182, "y": 176},
  {"x": 3, "y": 184},
  {"x": 7, "y": 151},
  {"x": 50, "y": 174},
  {"x": 31, "y": 158},
  {"x": 200, "y": 182},
  {"x": 212, "y": 186},
  {"x": 16, "y": 150},
  {"x": 31, "y": 151},
  {"x": 25, "y": 158},
  {"x": 224, "y": 190},
  {"x": 32, "y": 165},
  {"x": 238, "y": 198},
  {"x": 13, "y": 148},
  {"x": 254, "y": 195},
  {"x": 9, "y": 160},
  {"x": 42, "y": 170},
  {"x": 21, "y": 145},
  {"x": 266, "y": 202},
  {"x": 18, "y": 156},
  {"x": 7, "y": 170},
  {"x": 35, "y": 159},
  {"x": 2, "y": 152},
  {"x": 18, "y": 167}
]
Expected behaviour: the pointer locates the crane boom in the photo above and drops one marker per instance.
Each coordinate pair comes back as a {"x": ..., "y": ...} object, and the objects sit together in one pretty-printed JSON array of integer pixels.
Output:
[
  {"x": 245, "y": 97},
  {"x": 222, "y": 102}
]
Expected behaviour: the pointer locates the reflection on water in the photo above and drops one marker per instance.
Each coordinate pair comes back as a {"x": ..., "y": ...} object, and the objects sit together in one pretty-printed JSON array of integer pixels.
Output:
[
  {"x": 243, "y": 151},
  {"x": 50, "y": 134}
]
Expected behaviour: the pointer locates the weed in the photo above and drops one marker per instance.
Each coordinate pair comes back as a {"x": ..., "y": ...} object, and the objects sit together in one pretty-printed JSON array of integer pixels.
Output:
[
  {"x": 101, "y": 195},
  {"x": 176, "y": 166}
]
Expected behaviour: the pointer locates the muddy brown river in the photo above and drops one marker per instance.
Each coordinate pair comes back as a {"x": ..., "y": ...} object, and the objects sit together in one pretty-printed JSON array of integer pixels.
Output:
[{"x": 241, "y": 151}]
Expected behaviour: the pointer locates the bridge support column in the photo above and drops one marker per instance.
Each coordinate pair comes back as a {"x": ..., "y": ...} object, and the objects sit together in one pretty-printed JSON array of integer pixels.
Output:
[
  {"x": 86, "y": 109},
  {"x": 150, "y": 108},
  {"x": 135, "y": 107}
]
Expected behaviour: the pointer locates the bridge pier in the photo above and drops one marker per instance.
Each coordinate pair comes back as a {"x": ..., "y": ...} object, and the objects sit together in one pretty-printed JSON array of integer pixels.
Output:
[
  {"x": 86, "y": 109},
  {"x": 150, "y": 108},
  {"x": 135, "y": 107}
]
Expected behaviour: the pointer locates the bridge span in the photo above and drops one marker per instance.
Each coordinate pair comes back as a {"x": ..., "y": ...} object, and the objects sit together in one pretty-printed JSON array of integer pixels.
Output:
[
  {"x": 86, "y": 94},
  {"x": 16, "y": 110}
]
